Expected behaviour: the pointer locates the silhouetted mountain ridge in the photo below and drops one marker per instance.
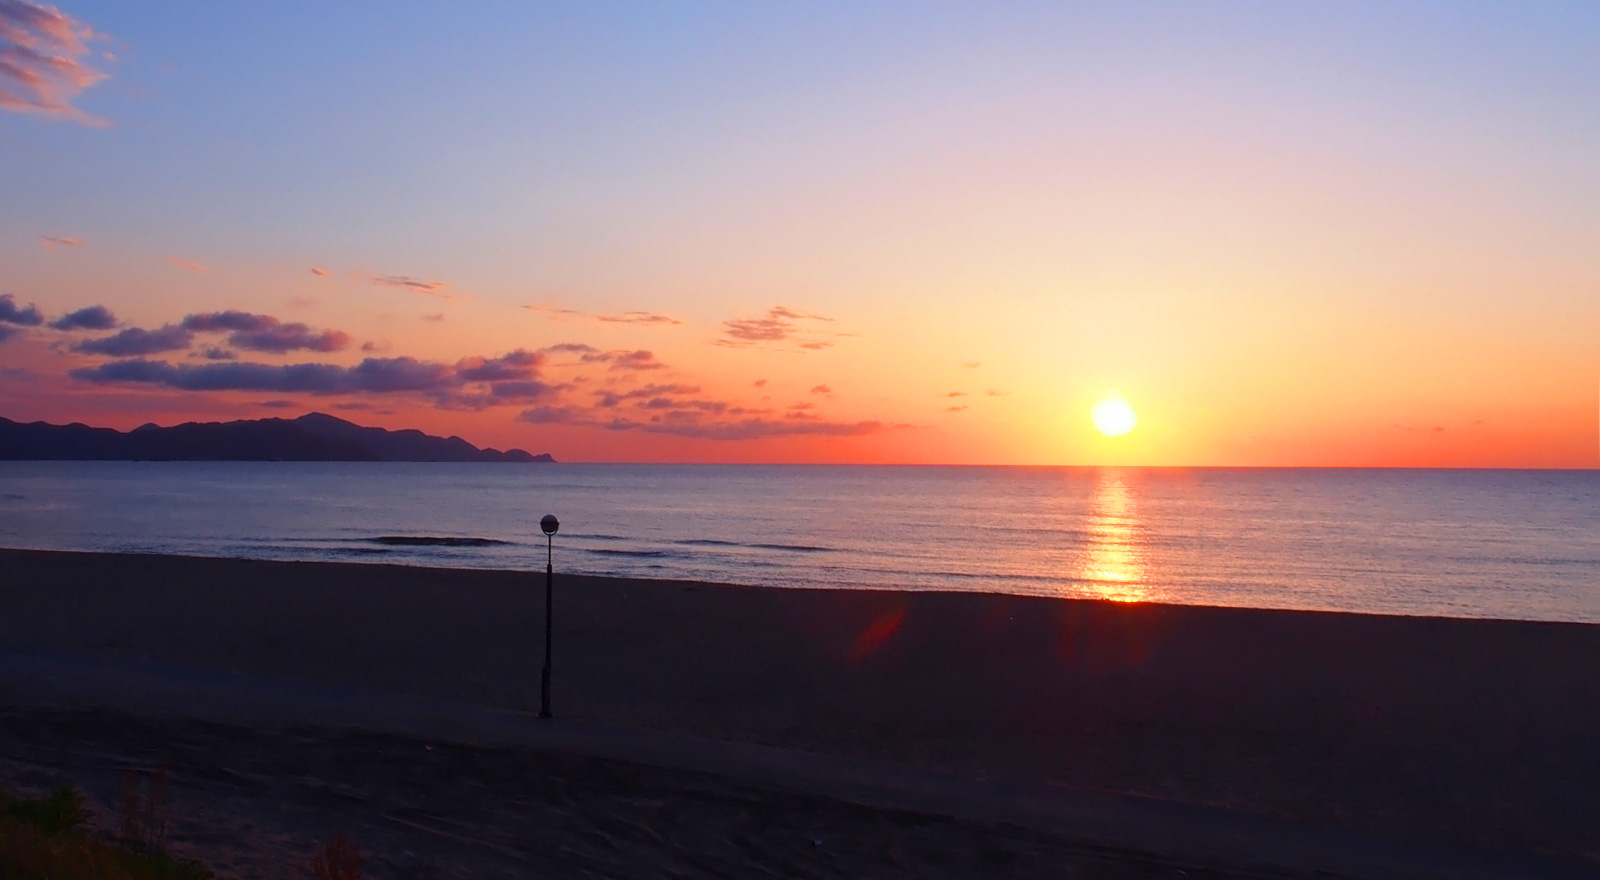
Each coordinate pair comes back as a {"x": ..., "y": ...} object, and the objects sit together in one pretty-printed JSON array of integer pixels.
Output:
[{"x": 312, "y": 437}]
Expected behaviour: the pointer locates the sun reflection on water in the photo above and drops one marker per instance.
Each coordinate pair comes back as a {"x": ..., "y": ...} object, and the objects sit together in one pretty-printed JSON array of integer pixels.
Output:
[{"x": 1113, "y": 568}]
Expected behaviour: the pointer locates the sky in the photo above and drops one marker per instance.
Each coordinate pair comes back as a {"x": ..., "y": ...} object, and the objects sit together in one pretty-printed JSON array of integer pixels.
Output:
[{"x": 1354, "y": 234}]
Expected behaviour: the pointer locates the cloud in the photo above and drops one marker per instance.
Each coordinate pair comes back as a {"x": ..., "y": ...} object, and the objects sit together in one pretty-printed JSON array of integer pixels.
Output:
[
  {"x": 570, "y": 348},
  {"x": 760, "y": 383},
  {"x": 186, "y": 265},
  {"x": 277, "y": 404},
  {"x": 521, "y": 390},
  {"x": 693, "y": 423},
  {"x": 10, "y": 314},
  {"x": 266, "y": 333},
  {"x": 779, "y": 325},
  {"x": 408, "y": 283},
  {"x": 89, "y": 318},
  {"x": 954, "y": 394},
  {"x": 41, "y": 61},
  {"x": 51, "y": 242},
  {"x": 995, "y": 393},
  {"x": 472, "y": 383},
  {"x": 610, "y": 399},
  {"x": 137, "y": 342},
  {"x": 971, "y": 365},
  {"x": 320, "y": 273},
  {"x": 519, "y": 364},
  {"x": 955, "y": 408},
  {"x": 6, "y": 332},
  {"x": 821, "y": 389},
  {"x": 634, "y": 360},
  {"x": 230, "y": 320},
  {"x": 619, "y": 359},
  {"x": 552, "y": 415},
  {"x": 637, "y": 318},
  {"x": 435, "y": 317},
  {"x": 374, "y": 375}
]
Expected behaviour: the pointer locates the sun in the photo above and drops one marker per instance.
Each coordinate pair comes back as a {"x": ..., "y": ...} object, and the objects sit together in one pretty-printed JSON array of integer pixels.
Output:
[{"x": 1113, "y": 416}]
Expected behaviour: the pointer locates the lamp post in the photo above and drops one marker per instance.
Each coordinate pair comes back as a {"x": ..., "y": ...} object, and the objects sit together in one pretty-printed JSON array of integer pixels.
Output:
[{"x": 548, "y": 525}]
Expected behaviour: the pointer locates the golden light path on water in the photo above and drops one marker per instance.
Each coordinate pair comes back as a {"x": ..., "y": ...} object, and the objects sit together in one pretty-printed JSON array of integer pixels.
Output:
[{"x": 1114, "y": 566}]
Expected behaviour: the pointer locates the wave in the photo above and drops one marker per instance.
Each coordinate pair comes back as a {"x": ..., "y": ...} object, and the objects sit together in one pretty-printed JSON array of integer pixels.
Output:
[
  {"x": 791, "y": 548},
  {"x": 651, "y": 554},
  {"x": 434, "y": 541}
]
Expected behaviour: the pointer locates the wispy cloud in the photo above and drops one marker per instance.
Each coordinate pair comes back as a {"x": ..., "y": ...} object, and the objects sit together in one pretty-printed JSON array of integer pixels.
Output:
[
  {"x": 635, "y": 317},
  {"x": 320, "y": 273},
  {"x": 780, "y": 324},
  {"x": 88, "y": 318},
  {"x": 971, "y": 365},
  {"x": 406, "y": 282},
  {"x": 42, "y": 69},
  {"x": 612, "y": 399},
  {"x": 181, "y": 263},
  {"x": 51, "y": 242},
  {"x": 618, "y": 359},
  {"x": 697, "y": 423}
]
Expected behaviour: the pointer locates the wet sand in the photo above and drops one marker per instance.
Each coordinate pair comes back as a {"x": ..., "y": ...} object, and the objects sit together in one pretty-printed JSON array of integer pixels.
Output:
[{"x": 1100, "y": 737}]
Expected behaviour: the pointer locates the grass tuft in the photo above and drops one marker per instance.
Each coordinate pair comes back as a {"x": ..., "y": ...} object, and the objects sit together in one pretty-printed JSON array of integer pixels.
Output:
[{"x": 45, "y": 837}]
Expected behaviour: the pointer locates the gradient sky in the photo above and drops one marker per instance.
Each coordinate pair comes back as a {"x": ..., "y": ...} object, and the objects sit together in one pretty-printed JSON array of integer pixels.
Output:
[{"x": 1288, "y": 234}]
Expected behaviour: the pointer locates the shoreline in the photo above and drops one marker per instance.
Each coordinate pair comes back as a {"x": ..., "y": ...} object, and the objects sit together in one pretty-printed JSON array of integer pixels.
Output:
[
  {"x": 452, "y": 541},
  {"x": 1446, "y": 731}
]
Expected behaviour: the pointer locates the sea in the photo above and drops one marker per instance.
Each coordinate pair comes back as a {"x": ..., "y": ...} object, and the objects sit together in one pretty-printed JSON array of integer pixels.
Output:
[{"x": 1507, "y": 544}]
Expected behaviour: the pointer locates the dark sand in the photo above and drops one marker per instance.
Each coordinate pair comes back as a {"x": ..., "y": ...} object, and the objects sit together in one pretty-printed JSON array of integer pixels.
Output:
[{"x": 915, "y": 734}]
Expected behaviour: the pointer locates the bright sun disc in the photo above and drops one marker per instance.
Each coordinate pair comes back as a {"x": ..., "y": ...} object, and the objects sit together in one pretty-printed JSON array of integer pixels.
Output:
[{"x": 1113, "y": 417}]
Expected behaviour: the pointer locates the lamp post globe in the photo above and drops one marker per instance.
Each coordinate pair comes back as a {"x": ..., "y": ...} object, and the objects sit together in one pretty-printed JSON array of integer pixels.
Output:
[{"x": 548, "y": 525}]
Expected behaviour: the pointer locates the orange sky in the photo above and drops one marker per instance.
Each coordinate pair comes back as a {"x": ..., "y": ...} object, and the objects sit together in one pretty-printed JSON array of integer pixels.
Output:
[{"x": 1354, "y": 237}]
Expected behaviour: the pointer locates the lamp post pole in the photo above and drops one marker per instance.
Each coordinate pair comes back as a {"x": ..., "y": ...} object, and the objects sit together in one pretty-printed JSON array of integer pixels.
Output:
[{"x": 549, "y": 525}]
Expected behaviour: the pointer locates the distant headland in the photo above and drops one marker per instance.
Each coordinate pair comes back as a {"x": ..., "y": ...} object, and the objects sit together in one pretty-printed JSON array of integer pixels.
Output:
[{"x": 312, "y": 437}]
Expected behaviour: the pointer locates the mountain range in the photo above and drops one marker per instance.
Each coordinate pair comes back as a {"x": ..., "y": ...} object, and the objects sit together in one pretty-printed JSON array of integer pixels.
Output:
[{"x": 311, "y": 437}]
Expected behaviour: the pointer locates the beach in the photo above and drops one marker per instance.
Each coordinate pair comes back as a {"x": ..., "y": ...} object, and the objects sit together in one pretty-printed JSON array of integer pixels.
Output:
[{"x": 713, "y": 730}]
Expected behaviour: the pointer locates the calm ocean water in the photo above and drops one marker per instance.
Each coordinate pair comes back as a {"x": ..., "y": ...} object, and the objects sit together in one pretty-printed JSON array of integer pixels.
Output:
[{"x": 1505, "y": 544}]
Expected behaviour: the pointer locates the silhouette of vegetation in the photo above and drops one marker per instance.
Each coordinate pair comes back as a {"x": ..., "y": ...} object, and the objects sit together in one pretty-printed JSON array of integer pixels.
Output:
[
  {"x": 45, "y": 837},
  {"x": 142, "y": 811},
  {"x": 338, "y": 859},
  {"x": 58, "y": 811}
]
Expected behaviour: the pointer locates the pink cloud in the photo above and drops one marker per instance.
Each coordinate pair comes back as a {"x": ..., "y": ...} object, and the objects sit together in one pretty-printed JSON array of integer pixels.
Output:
[
  {"x": 320, "y": 273},
  {"x": 780, "y": 324},
  {"x": 186, "y": 265},
  {"x": 644, "y": 318},
  {"x": 42, "y": 67},
  {"x": 51, "y": 242},
  {"x": 408, "y": 283}
]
